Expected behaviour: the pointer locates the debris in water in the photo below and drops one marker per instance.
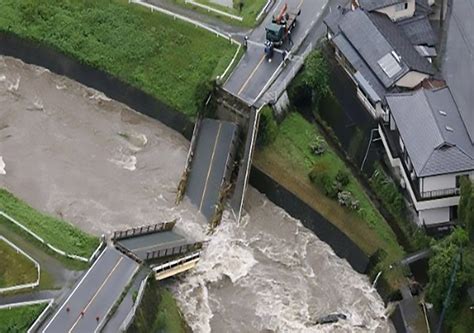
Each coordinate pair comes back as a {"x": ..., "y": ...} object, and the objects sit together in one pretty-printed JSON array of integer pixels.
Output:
[
  {"x": 2, "y": 166},
  {"x": 126, "y": 162},
  {"x": 331, "y": 318}
]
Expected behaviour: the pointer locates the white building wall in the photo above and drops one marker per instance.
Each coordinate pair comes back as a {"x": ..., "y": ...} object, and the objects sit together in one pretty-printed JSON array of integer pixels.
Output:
[
  {"x": 441, "y": 182},
  {"x": 433, "y": 216},
  {"x": 395, "y": 15}
]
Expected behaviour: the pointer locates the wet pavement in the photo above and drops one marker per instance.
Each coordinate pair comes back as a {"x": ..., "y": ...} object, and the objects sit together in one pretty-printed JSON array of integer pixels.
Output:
[{"x": 73, "y": 153}]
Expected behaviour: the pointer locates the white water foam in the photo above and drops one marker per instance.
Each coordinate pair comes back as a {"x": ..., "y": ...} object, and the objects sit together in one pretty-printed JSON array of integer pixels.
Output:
[{"x": 2, "y": 166}]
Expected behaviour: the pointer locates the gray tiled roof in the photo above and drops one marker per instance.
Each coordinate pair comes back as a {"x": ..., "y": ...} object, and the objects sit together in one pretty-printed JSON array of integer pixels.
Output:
[
  {"x": 376, "y": 4},
  {"x": 458, "y": 66},
  {"x": 419, "y": 30},
  {"x": 358, "y": 28},
  {"x": 399, "y": 41},
  {"x": 360, "y": 66},
  {"x": 385, "y": 37},
  {"x": 432, "y": 130}
]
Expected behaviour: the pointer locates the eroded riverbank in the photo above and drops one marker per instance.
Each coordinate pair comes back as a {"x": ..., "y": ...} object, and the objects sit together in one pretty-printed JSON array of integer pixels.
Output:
[{"x": 70, "y": 151}]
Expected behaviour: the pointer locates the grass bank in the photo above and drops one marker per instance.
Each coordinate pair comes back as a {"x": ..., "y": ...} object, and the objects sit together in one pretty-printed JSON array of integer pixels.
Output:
[
  {"x": 57, "y": 232},
  {"x": 15, "y": 268},
  {"x": 249, "y": 12},
  {"x": 158, "y": 312},
  {"x": 289, "y": 160},
  {"x": 19, "y": 319},
  {"x": 166, "y": 58}
]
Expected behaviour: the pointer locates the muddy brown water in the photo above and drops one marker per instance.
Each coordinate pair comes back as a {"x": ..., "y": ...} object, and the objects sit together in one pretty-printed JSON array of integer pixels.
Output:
[{"x": 70, "y": 151}]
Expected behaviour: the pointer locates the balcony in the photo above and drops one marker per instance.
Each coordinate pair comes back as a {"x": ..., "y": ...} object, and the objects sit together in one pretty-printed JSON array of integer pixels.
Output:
[
  {"x": 392, "y": 140},
  {"x": 449, "y": 192}
]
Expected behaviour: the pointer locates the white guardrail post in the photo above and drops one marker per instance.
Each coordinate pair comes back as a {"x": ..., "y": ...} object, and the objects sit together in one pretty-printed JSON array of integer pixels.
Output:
[{"x": 41, "y": 240}]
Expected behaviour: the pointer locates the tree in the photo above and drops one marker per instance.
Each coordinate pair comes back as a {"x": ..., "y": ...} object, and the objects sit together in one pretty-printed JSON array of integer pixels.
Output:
[
  {"x": 466, "y": 205},
  {"x": 268, "y": 128},
  {"x": 441, "y": 266},
  {"x": 316, "y": 75}
]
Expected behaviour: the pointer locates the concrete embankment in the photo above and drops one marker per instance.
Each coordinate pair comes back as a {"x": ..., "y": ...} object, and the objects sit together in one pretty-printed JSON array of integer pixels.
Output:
[{"x": 59, "y": 63}]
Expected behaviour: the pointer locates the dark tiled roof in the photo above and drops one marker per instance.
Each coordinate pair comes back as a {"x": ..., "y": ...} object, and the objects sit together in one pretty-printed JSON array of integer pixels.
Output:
[
  {"x": 399, "y": 41},
  {"x": 358, "y": 28},
  {"x": 442, "y": 144},
  {"x": 419, "y": 30},
  {"x": 376, "y": 4}
]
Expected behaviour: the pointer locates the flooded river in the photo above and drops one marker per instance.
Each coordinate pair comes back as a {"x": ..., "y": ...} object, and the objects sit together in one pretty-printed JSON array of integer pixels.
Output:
[{"x": 72, "y": 152}]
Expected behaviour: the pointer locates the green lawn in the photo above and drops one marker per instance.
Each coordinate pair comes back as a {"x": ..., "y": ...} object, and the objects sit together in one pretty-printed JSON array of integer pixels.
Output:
[
  {"x": 158, "y": 312},
  {"x": 249, "y": 13},
  {"x": 167, "y": 58},
  {"x": 19, "y": 319},
  {"x": 289, "y": 160},
  {"x": 15, "y": 268},
  {"x": 57, "y": 232}
]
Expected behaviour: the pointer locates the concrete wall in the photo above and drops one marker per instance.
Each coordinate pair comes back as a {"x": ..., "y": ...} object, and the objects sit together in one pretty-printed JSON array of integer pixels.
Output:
[
  {"x": 434, "y": 216},
  {"x": 411, "y": 79},
  {"x": 395, "y": 15}
]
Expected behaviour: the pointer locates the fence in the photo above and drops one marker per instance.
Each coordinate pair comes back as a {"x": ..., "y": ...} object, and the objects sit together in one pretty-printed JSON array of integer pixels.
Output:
[
  {"x": 212, "y": 9},
  {"x": 185, "y": 19},
  {"x": 37, "y": 266},
  {"x": 34, "y": 327},
  {"x": 172, "y": 251},
  {"x": 51, "y": 247},
  {"x": 138, "y": 231},
  {"x": 128, "y": 320},
  {"x": 265, "y": 9},
  {"x": 177, "y": 262}
]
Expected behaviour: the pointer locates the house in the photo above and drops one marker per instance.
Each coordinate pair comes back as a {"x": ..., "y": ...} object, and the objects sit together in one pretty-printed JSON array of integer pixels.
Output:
[
  {"x": 383, "y": 47},
  {"x": 429, "y": 137},
  {"x": 427, "y": 143}
]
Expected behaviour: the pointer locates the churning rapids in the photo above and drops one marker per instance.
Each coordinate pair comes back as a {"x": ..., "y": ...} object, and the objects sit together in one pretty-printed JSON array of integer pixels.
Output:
[{"x": 71, "y": 151}]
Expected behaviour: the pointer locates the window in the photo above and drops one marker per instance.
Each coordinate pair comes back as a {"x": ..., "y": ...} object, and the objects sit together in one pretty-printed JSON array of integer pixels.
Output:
[{"x": 401, "y": 6}]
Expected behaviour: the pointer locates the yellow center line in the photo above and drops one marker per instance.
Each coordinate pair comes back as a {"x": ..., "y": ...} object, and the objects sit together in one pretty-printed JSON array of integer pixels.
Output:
[
  {"x": 251, "y": 75},
  {"x": 210, "y": 165},
  {"x": 96, "y": 293}
]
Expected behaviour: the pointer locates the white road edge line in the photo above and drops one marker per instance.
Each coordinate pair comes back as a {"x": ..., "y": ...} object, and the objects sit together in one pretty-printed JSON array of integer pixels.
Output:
[
  {"x": 74, "y": 290},
  {"x": 108, "y": 310},
  {"x": 117, "y": 264}
]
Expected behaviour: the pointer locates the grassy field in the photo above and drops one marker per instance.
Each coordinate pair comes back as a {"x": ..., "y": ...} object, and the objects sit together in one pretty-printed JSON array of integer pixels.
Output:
[
  {"x": 249, "y": 13},
  {"x": 19, "y": 319},
  {"x": 167, "y": 58},
  {"x": 15, "y": 268},
  {"x": 55, "y": 231},
  {"x": 158, "y": 312},
  {"x": 289, "y": 160}
]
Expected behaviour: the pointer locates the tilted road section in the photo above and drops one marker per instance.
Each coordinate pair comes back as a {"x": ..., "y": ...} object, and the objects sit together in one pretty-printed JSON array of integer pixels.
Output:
[
  {"x": 212, "y": 163},
  {"x": 86, "y": 308}
]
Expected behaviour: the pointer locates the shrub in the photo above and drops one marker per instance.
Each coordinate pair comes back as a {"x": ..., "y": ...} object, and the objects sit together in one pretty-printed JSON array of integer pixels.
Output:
[
  {"x": 346, "y": 199},
  {"x": 267, "y": 128},
  {"x": 343, "y": 177},
  {"x": 318, "y": 146}
]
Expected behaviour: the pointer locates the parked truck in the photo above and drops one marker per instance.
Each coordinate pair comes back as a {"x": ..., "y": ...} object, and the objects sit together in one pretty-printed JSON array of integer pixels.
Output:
[{"x": 279, "y": 29}]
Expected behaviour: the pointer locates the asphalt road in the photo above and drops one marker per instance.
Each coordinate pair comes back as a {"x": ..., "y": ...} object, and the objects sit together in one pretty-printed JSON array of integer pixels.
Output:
[
  {"x": 208, "y": 168},
  {"x": 251, "y": 76},
  {"x": 153, "y": 242},
  {"x": 94, "y": 295}
]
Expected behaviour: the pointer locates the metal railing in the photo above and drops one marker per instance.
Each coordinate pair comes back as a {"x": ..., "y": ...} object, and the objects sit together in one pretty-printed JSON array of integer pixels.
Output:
[{"x": 440, "y": 193}]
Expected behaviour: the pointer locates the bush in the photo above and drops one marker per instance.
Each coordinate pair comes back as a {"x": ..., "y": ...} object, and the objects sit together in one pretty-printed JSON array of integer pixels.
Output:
[
  {"x": 346, "y": 199},
  {"x": 343, "y": 177},
  {"x": 267, "y": 128},
  {"x": 318, "y": 146}
]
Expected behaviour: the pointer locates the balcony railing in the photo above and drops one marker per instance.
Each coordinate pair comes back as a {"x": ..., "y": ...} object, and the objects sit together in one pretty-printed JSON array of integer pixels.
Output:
[{"x": 448, "y": 192}]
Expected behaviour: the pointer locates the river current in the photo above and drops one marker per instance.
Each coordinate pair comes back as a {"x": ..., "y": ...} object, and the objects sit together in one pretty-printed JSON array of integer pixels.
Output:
[{"x": 70, "y": 151}]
